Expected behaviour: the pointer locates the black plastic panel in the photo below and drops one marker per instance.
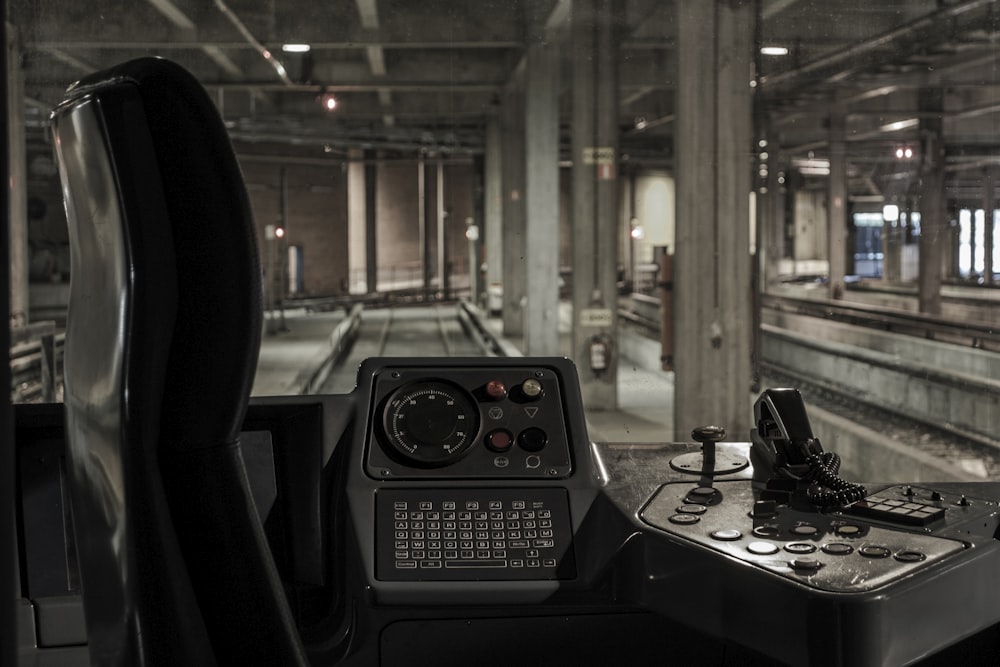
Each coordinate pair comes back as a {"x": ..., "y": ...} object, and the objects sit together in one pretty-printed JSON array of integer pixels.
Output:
[{"x": 475, "y": 434}]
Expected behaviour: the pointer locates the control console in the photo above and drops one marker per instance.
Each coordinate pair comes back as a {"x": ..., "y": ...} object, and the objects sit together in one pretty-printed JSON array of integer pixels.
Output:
[
  {"x": 482, "y": 422},
  {"x": 851, "y": 550},
  {"x": 847, "y": 571},
  {"x": 473, "y": 478},
  {"x": 455, "y": 502}
]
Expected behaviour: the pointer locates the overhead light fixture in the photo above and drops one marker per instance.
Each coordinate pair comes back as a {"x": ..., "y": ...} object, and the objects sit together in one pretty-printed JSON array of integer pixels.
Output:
[
  {"x": 898, "y": 125},
  {"x": 812, "y": 166},
  {"x": 296, "y": 48},
  {"x": 328, "y": 101},
  {"x": 890, "y": 212},
  {"x": 774, "y": 50}
]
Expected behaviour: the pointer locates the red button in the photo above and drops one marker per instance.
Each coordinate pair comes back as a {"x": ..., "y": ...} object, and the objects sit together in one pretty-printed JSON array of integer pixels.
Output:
[
  {"x": 496, "y": 390},
  {"x": 499, "y": 440}
]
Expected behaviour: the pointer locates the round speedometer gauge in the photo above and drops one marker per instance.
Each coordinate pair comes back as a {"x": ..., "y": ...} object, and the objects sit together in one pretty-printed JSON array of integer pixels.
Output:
[{"x": 430, "y": 423}]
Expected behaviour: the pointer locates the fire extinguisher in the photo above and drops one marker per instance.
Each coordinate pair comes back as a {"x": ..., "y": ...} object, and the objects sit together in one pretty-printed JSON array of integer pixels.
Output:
[{"x": 600, "y": 354}]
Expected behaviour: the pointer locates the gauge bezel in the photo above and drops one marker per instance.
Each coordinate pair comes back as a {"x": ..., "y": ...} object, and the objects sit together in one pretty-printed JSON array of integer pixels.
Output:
[{"x": 407, "y": 447}]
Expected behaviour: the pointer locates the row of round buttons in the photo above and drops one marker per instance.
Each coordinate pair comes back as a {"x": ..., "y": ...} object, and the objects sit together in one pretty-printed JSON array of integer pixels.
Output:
[
  {"x": 530, "y": 439},
  {"x": 690, "y": 513}
]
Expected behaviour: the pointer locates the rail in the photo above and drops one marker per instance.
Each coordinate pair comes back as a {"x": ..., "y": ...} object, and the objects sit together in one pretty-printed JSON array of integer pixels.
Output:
[
  {"x": 36, "y": 360},
  {"x": 970, "y": 333},
  {"x": 641, "y": 310},
  {"x": 314, "y": 374},
  {"x": 955, "y": 399},
  {"x": 474, "y": 323}
]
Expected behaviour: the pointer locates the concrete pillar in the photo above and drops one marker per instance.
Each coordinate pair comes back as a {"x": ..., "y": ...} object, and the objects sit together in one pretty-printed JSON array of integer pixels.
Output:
[
  {"x": 474, "y": 230},
  {"x": 712, "y": 300},
  {"x": 836, "y": 204},
  {"x": 933, "y": 212},
  {"x": 357, "y": 254},
  {"x": 595, "y": 34},
  {"x": 18, "y": 188},
  {"x": 513, "y": 206},
  {"x": 423, "y": 226},
  {"x": 371, "y": 223},
  {"x": 541, "y": 199},
  {"x": 772, "y": 232},
  {"x": 989, "y": 203},
  {"x": 10, "y": 576},
  {"x": 493, "y": 201},
  {"x": 440, "y": 214}
]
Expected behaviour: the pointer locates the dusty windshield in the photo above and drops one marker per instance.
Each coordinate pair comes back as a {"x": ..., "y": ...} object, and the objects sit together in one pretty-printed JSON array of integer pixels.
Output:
[{"x": 691, "y": 200}]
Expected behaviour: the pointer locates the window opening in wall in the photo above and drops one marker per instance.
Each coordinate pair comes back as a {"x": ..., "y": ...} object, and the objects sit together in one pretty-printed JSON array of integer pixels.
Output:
[{"x": 868, "y": 254}]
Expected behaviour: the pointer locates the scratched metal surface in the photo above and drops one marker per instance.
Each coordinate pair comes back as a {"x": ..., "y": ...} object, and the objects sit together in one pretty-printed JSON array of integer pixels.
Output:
[{"x": 636, "y": 471}]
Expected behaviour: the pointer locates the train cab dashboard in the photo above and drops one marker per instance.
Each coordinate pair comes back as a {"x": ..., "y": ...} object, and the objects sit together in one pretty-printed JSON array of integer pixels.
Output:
[{"x": 455, "y": 510}]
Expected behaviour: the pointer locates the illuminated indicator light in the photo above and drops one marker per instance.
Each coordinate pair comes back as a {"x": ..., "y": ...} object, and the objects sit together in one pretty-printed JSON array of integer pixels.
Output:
[
  {"x": 532, "y": 388},
  {"x": 496, "y": 390}
]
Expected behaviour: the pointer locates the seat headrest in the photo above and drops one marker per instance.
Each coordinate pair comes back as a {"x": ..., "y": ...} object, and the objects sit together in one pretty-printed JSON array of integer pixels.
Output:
[{"x": 214, "y": 244}]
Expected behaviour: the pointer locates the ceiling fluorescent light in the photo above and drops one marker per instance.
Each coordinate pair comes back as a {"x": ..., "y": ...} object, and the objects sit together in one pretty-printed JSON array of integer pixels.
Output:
[
  {"x": 812, "y": 166},
  {"x": 295, "y": 48},
  {"x": 900, "y": 125},
  {"x": 774, "y": 50}
]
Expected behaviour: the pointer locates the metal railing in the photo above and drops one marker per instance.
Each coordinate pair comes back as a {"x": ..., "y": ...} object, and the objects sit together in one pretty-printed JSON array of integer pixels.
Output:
[{"x": 36, "y": 363}]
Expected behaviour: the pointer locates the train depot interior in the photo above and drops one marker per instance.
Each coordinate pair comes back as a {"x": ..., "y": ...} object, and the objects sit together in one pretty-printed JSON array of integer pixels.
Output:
[{"x": 536, "y": 332}]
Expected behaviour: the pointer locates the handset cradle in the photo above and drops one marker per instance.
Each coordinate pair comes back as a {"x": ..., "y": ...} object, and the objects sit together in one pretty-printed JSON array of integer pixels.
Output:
[{"x": 789, "y": 462}]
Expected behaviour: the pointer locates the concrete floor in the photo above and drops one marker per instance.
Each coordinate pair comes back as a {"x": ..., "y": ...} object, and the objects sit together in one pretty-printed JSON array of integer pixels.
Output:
[{"x": 645, "y": 397}]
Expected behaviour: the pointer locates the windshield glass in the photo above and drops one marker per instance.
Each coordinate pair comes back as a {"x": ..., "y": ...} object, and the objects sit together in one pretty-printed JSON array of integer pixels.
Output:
[{"x": 692, "y": 201}]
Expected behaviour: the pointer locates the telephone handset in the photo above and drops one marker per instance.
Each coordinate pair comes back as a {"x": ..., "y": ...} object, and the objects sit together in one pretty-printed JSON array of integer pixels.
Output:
[{"x": 788, "y": 460}]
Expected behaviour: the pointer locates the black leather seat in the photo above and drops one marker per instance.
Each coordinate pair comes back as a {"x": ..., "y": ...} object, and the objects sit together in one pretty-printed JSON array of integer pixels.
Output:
[{"x": 162, "y": 340}]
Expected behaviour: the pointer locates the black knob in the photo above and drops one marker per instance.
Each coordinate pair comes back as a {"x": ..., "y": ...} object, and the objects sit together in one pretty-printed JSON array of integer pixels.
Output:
[
  {"x": 708, "y": 436},
  {"x": 532, "y": 439},
  {"x": 708, "y": 433}
]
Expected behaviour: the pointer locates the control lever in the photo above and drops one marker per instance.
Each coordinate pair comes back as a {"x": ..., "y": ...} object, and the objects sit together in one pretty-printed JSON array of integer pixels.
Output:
[
  {"x": 789, "y": 462},
  {"x": 708, "y": 436},
  {"x": 707, "y": 462}
]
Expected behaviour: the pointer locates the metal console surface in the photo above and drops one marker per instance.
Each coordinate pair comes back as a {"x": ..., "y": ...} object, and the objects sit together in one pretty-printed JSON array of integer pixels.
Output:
[
  {"x": 838, "y": 551},
  {"x": 840, "y": 587}
]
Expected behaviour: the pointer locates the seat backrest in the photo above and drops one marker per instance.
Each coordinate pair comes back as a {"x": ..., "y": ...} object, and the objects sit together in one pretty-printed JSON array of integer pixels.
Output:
[{"x": 162, "y": 338}]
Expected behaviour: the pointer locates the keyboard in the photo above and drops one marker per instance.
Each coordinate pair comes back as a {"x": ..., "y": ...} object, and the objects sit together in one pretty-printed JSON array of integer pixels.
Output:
[{"x": 473, "y": 534}]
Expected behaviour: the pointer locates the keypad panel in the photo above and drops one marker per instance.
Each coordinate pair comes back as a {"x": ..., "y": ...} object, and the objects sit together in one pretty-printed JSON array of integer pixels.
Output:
[
  {"x": 473, "y": 535},
  {"x": 904, "y": 511}
]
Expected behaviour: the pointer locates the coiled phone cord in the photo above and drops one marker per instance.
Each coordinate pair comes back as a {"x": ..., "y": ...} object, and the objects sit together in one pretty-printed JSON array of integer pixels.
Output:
[{"x": 824, "y": 469}]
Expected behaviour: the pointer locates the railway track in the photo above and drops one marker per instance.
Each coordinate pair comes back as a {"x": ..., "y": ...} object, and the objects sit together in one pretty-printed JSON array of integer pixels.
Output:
[
  {"x": 896, "y": 378},
  {"x": 438, "y": 330},
  {"x": 965, "y": 331},
  {"x": 975, "y": 455}
]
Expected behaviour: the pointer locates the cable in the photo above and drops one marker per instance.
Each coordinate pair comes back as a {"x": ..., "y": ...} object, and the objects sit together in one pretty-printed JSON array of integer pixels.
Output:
[{"x": 823, "y": 472}]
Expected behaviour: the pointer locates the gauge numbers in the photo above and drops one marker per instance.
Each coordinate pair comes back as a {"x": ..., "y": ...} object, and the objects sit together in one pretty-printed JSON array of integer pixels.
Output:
[{"x": 430, "y": 423}]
